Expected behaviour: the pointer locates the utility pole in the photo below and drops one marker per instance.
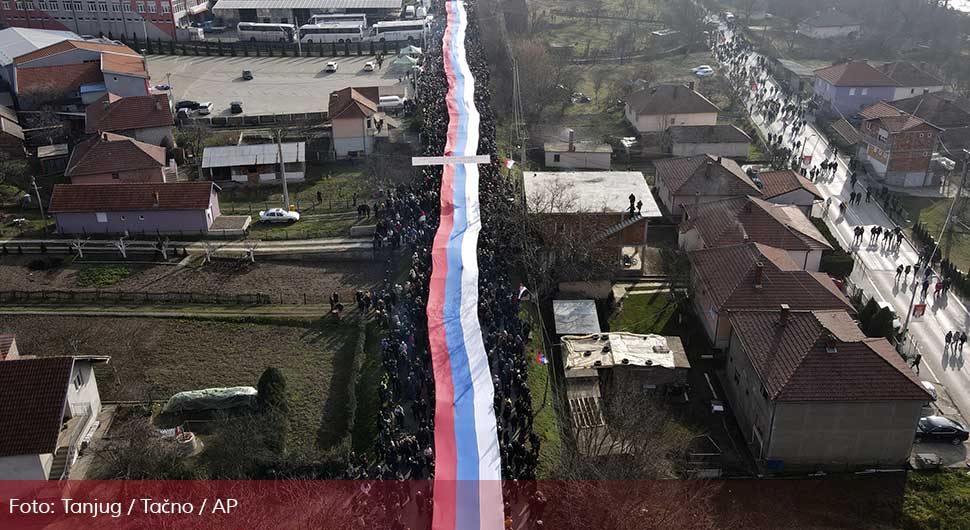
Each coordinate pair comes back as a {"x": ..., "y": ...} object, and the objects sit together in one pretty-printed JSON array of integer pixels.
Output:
[
  {"x": 929, "y": 259},
  {"x": 282, "y": 168},
  {"x": 40, "y": 203},
  {"x": 956, "y": 198}
]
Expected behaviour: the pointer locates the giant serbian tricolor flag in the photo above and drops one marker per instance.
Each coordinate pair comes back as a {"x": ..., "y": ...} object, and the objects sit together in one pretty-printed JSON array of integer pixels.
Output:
[{"x": 468, "y": 471}]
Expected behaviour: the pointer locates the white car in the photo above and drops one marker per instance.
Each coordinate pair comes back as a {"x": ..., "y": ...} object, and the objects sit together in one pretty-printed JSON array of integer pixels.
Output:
[
  {"x": 703, "y": 71},
  {"x": 930, "y": 389},
  {"x": 278, "y": 215},
  {"x": 369, "y": 66},
  {"x": 331, "y": 67}
]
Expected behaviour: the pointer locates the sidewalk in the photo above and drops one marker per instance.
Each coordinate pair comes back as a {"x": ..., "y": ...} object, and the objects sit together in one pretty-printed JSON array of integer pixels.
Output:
[{"x": 943, "y": 314}]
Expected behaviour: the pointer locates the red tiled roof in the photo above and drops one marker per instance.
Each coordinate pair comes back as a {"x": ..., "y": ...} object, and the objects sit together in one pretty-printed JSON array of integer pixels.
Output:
[
  {"x": 114, "y": 113},
  {"x": 846, "y": 131},
  {"x": 32, "y": 396},
  {"x": 854, "y": 74},
  {"x": 728, "y": 273},
  {"x": 130, "y": 197},
  {"x": 775, "y": 183},
  {"x": 68, "y": 45},
  {"x": 880, "y": 109},
  {"x": 57, "y": 80},
  {"x": 670, "y": 99},
  {"x": 113, "y": 153},
  {"x": 353, "y": 102},
  {"x": 6, "y": 341},
  {"x": 942, "y": 109},
  {"x": 740, "y": 220},
  {"x": 115, "y": 63},
  {"x": 794, "y": 361},
  {"x": 893, "y": 119},
  {"x": 909, "y": 75},
  {"x": 691, "y": 174}
]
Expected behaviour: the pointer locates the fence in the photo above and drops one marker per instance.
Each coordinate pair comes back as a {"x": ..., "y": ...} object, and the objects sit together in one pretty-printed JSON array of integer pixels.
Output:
[{"x": 121, "y": 297}]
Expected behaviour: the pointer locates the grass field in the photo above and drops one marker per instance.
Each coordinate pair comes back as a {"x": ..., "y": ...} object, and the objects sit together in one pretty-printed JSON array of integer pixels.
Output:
[
  {"x": 336, "y": 182},
  {"x": 646, "y": 314},
  {"x": 932, "y": 212},
  {"x": 936, "y": 500},
  {"x": 545, "y": 424},
  {"x": 158, "y": 357}
]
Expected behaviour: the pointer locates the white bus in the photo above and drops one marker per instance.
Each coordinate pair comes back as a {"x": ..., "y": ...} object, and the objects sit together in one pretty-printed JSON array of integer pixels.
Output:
[
  {"x": 332, "y": 18},
  {"x": 332, "y": 32},
  {"x": 409, "y": 30},
  {"x": 254, "y": 31}
]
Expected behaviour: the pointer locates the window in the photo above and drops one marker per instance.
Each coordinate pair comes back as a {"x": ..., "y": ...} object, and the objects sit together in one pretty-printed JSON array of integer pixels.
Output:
[
  {"x": 851, "y": 91},
  {"x": 101, "y": 217},
  {"x": 54, "y": 6},
  {"x": 555, "y": 158},
  {"x": 126, "y": 8},
  {"x": 42, "y": 4},
  {"x": 20, "y": 6},
  {"x": 116, "y": 8},
  {"x": 140, "y": 7},
  {"x": 6, "y": 4},
  {"x": 78, "y": 381},
  {"x": 151, "y": 7},
  {"x": 369, "y": 123},
  {"x": 78, "y": 6},
  {"x": 92, "y": 7},
  {"x": 865, "y": 91},
  {"x": 166, "y": 8},
  {"x": 103, "y": 7}
]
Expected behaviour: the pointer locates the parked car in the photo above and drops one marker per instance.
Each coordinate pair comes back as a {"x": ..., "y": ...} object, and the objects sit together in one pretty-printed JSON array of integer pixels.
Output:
[
  {"x": 930, "y": 389},
  {"x": 369, "y": 66},
  {"x": 162, "y": 87},
  {"x": 278, "y": 215},
  {"x": 940, "y": 429},
  {"x": 205, "y": 108},
  {"x": 235, "y": 107},
  {"x": 703, "y": 71},
  {"x": 187, "y": 104},
  {"x": 386, "y": 103},
  {"x": 331, "y": 67},
  {"x": 247, "y": 75}
]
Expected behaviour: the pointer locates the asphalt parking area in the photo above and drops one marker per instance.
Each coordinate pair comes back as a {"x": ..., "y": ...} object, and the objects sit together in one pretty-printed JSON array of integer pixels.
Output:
[{"x": 280, "y": 85}]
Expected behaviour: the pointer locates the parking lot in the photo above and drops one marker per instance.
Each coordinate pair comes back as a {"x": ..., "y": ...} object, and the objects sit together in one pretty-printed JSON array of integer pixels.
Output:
[{"x": 280, "y": 85}]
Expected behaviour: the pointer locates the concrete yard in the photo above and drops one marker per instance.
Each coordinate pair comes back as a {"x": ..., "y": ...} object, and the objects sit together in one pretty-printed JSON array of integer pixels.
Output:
[{"x": 281, "y": 85}]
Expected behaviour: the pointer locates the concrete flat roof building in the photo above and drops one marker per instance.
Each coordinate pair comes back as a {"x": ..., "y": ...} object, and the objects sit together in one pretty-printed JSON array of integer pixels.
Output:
[
  {"x": 593, "y": 191},
  {"x": 575, "y": 317},
  {"x": 248, "y": 163}
]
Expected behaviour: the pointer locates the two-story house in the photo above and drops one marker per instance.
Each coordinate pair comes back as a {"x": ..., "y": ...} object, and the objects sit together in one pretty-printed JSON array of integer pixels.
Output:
[
  {"x": 597, "y": 203},
  {"x": 48, "y": 407},
  {"x": 752, "y": 276},
  {"x": 810, "y": 391},
  {"x": 748, "y": 219},
  {"x": 657, "y": 108},
  {"x": 147, "y": 119},
  {"x": 700, "y": 179},
  {"x": 850, "y": 86},
  {"x": 355, "y": 120},
  {"x": 112, "y": 158},
  {"x": 898, "y": 146},
  {"x": 790, "y": 188}
]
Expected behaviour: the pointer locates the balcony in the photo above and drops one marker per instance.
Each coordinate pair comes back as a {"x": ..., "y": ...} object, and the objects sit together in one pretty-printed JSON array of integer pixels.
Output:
[{"x": 69, "y": 440}]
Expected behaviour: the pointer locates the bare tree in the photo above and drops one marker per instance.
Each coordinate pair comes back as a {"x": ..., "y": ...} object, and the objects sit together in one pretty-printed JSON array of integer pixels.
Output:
[
  {"x": 542, "y": 76},
  {"x": 136, "y": 451}
]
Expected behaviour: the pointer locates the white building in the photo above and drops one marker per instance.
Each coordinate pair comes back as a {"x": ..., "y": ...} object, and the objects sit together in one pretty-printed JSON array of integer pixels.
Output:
[
  {"x": 721, "y": 140},
  {"x": 657, "y": 108},
  {"x": 254, "y": 163},
  {"x": 913, "y": 80},
  {"x": 829, "y": 24},
  {"x": 48, "y": 409},
  {"x": 578, "y": 155}
]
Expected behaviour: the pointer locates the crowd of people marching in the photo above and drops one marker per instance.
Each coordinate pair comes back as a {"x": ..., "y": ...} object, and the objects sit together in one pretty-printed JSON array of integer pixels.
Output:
[{"x": 407, "y": 218}]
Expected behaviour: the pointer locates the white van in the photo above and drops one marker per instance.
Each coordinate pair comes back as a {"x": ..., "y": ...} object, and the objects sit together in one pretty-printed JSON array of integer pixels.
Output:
[
  {"x": 409, "y": 12},
  {"x": 390, "y": 102}
]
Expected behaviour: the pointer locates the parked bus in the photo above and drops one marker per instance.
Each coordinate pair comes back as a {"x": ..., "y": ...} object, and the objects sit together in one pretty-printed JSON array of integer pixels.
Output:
[
  {"x": 333, "y": 18},
  {"x": 254, "y": 31},
  {"x": 332, "y": 32},
  {"x": 410, "y": 30}
]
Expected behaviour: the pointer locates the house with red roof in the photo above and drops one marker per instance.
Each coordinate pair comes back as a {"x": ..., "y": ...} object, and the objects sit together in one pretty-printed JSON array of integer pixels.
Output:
[
  {"x": 810, "y": 391},
  {"x": 700, "y": 179},
  {"x": 109, "y": 158},
  {"x": 850, "y": 86},
  {"x": 753, "y": 276},
  {"x": 355, "y": 120},
  {"x": 78, "y": 72},
  {"x": 913, "y": 80},
  {"x": 145, "y": 118},
  {"x": 749, "y": 219},
  {"x": 790, "y": 188},
  {"x": 898, "y": 146},
  {"x": 48, "y": 411},
  {"x": 656, "y": 108},
  {"x": 136, "y": 208}
]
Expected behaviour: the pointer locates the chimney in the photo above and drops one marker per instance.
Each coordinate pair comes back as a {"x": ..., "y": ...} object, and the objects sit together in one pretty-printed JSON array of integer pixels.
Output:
[
  {"x": 690, "y": 85},
  {"x": 783, "y": 317},
  {"x": 719, "y": 161},
  {"x": 759, "y": 275},
  {"x": 572, "y": 138},
  {"x": 709, "y": 170},
  {"x": 155, "y": 196}
]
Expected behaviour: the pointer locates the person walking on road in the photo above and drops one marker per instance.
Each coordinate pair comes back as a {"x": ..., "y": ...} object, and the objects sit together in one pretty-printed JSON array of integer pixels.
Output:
[
  {"x": 963, "y": 340},
  {"x": 906, "y": 272},
  {"x": 926, "y": 287},
  {"x": 938, "y": 289},
  {"x": 947, "y": 339},
  {"x": 868, "y": 194},
  {"x": 899, "y": 272},
  {"x": 916, "y": 361}
]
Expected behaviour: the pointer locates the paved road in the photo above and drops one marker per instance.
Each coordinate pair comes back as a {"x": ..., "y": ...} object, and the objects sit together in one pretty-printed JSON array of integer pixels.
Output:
[{"x": 876, "y": 270}]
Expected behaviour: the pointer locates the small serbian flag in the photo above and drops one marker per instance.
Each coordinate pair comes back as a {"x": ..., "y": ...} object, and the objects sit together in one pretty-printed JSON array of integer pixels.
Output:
[
  {"x": 541, "y": 358},
  {"x": 509, "y": 163},
  {"x": 807, "y": 160}
]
